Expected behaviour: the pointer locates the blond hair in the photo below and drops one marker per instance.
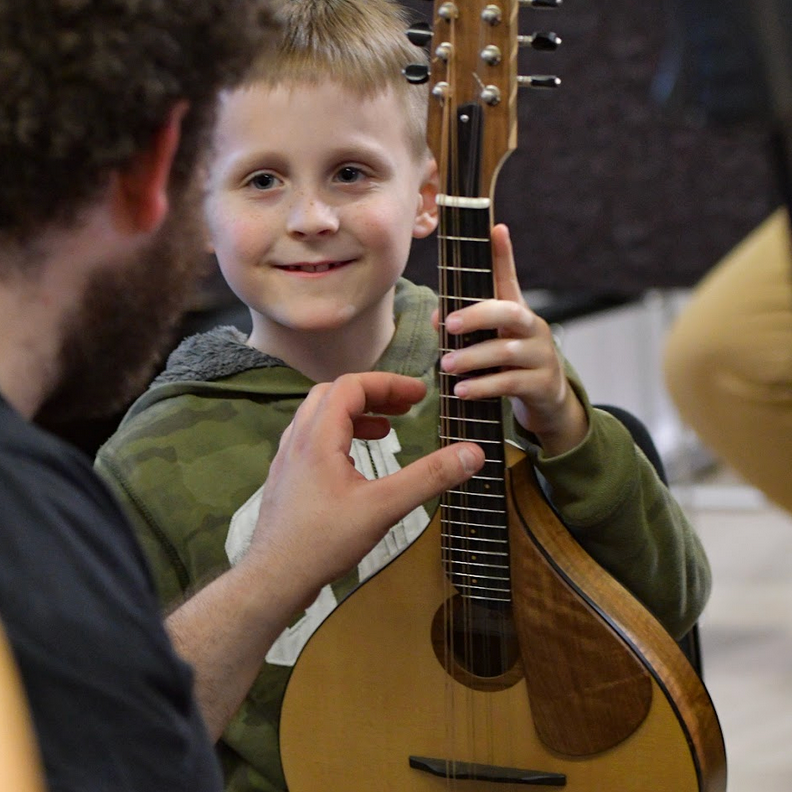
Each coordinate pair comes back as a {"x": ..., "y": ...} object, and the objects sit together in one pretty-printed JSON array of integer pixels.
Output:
[{"x": 360, "y": 44}]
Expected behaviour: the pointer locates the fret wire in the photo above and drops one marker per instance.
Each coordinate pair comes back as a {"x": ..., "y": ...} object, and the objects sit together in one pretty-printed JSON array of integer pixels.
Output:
[
  {"x": 484, "y": 492},
  {"x": 459, "y": 412},
  {"x": 499, "y": 561},
  {"x": 464, "y": 239},
  {"x": 467, "y": 508},
  {"x": 493, "y": 553},
  {"x": 467, "y": 549},
  {"x": 484, "y": 593},
  {"x": 463, "y": 269},
  {"x": 489, "y": 599},
  {"x": 476, "y": 538},
  {"x": 451, "y": 396},
  {"x": 472, "y": 439},
  {"x": 465, "y": 419},
  {"x": 506, "y": 592},
  {"x": 497, "y": 582},
  {"x": 478, "y": 564},
  {"x": 467, "y": 494},
  {"x": 494, "y": 471},
  {"x": 489, "y": 459}
]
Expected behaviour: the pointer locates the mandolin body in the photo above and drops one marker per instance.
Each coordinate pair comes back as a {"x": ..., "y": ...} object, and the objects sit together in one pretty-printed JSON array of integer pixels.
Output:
[{"x": 590, "y": 701}]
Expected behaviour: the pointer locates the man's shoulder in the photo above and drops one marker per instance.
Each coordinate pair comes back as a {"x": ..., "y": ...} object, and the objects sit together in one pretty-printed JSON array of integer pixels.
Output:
[{"x": 37, "y": 467}]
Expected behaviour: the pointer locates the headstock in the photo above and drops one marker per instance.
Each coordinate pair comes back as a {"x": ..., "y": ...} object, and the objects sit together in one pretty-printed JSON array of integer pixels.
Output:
[{"x": 472, "y": 122}]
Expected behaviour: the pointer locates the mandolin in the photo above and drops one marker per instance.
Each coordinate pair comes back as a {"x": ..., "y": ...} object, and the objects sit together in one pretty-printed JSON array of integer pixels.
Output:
[{"x": 493, "y": 653}]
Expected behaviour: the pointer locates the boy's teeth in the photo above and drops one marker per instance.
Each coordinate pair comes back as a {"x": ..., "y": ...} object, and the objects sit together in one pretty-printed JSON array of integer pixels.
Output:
[{"x": 310, "y": 267}]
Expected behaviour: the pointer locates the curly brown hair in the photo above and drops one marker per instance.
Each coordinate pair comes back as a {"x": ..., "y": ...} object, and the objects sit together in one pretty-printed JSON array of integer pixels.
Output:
[{"x": 85, "y": 83}]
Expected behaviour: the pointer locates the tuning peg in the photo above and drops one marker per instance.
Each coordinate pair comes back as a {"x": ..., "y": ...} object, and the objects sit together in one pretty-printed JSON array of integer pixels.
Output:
[
  {"x": 541, "y": 3},
  {"x": 539, "y": 81},
  {"x": 420, "y": 34},
  {"x": 546, "y": 42},
  {"x": 416, "y": 73}
]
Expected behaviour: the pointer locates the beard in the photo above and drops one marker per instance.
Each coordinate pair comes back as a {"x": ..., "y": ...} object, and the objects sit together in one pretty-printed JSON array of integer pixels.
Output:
[{"x": 127, "y": 321}]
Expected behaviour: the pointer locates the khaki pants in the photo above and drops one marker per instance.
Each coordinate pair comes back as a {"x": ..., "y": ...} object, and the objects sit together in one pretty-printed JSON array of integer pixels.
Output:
[{"x": 728, "y": 360}]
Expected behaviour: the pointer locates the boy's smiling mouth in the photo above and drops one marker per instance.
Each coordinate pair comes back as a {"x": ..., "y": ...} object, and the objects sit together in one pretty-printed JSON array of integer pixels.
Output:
[{"x": 322, "y": 266}]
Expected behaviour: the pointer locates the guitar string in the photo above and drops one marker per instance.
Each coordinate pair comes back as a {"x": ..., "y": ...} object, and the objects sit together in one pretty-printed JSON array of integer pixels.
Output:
[
  {"x": 505, "y": 730},
  {"x": 459, "y": 605},
  {"x": 446, "y": 174},
  {"x": 448, "y": 140}
]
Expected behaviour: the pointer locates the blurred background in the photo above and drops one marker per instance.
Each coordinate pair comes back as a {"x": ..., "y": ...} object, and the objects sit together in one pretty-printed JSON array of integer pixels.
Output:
[{"x": 648, "y": 163}]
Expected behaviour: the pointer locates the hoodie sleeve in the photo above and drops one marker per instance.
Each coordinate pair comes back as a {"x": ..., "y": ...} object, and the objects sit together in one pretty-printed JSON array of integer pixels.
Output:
[{"x": 611, "y": 499}]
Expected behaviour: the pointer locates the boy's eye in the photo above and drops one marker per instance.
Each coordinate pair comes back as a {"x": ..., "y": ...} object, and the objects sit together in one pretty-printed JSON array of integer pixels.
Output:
[
  {"x": 349, "y": 174},
  {"x": 262, "y": 181}
]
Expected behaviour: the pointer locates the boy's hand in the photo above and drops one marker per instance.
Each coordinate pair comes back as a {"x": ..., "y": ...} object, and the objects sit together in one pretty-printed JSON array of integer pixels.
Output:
[{"x": 531, "y": 372}]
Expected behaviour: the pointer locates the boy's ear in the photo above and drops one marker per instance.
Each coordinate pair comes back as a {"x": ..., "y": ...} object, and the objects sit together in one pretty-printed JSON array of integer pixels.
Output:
[
  {"x": 140, "y": 189},
  {"x": 426, "y": 216}
]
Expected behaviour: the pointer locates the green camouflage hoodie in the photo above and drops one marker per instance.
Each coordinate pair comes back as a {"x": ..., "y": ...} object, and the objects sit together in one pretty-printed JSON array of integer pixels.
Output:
[{"x": 189, "y": 459}]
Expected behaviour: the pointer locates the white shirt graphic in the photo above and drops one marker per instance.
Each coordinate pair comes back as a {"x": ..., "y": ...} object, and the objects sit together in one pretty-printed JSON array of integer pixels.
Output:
[{"x": 374, "y": 459}]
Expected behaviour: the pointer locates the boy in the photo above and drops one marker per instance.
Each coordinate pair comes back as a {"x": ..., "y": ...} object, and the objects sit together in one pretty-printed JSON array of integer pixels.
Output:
[{"x": 318, "y": 179}]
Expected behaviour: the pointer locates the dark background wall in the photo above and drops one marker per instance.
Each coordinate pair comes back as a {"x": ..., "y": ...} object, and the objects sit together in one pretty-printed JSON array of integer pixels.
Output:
[{"x": 609, "y": 191}]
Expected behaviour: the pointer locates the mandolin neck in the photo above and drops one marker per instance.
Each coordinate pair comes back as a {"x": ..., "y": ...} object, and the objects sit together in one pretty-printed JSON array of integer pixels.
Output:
[{"x": 474, "y": 516}]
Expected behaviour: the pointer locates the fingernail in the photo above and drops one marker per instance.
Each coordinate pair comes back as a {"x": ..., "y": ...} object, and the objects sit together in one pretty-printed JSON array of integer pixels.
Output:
[
  {"x": 453, "y": 324},
  {"x": 447, "y": 361},
  {"x": 468, "y": 460}
]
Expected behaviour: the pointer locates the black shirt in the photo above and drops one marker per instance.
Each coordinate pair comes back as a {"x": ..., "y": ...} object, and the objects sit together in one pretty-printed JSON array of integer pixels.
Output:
[{"x": 112, "y": 704}]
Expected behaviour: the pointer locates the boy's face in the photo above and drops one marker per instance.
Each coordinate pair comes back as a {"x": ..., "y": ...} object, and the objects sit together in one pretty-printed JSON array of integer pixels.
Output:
[{"x": 314, "y": 195}]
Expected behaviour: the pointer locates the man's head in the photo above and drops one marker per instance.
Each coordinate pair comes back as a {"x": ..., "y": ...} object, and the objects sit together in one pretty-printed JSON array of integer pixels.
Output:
[
  {"x": 85, "y": 84},
  {"x": 86, "y": 90}
]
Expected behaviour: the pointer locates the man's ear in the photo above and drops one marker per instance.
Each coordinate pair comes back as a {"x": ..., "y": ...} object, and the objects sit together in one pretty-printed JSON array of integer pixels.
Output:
[
  {"x": 426, "y": 216},
  {"x": 140, "y": 189}
]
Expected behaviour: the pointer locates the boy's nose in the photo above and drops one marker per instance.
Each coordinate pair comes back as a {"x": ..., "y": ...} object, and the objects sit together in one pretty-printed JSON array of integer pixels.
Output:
[{"x": 309, "y": 215}]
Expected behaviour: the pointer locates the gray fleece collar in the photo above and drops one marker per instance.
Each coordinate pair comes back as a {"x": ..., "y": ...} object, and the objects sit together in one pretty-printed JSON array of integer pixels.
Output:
[{"x": 219, "y": 353}]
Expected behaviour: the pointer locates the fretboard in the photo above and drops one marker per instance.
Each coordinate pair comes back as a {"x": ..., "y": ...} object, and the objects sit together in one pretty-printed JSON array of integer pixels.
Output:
[{"x": 474, "y": 518}]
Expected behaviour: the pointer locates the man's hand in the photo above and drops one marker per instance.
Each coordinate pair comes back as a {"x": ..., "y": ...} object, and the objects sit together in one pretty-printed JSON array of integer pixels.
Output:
[{"x": 319, "y": 516}]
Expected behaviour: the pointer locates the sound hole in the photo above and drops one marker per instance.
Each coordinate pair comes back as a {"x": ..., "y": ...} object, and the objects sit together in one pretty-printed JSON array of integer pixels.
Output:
[{"x": 476, "y": 643}]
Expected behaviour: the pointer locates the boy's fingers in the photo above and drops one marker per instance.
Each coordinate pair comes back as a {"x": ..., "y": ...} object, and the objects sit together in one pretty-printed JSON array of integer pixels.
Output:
[
  {"x": 406, "y": 489},
  {"x": 507, "y": 286}
]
